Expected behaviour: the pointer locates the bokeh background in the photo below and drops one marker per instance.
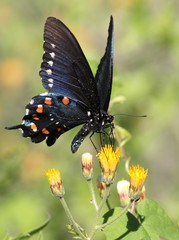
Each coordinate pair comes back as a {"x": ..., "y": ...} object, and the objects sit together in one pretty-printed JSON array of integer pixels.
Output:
[{"x": 146, "y": 72}]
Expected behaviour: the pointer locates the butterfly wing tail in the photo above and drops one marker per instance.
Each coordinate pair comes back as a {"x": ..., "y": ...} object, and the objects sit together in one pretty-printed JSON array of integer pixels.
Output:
[
  {"x": 14, "y": 127},
  {"x": 36, "y": 138}
]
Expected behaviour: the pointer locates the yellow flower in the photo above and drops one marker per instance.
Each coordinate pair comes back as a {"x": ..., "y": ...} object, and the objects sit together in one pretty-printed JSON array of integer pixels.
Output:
[
  {"x": 137, "y": 176},
  {"x": 109, "y": 160},
  {"x": 87, "y": 165},
  {"x": 55, "y": 182}
]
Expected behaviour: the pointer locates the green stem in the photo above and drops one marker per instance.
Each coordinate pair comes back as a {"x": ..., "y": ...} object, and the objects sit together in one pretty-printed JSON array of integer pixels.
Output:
[
  {"x": 71, "y": 219},
  {"x": 108, "y": 204},
  {"x": 118, "y": 138},
  {"x": 105, "y": 197},
  {"x": 98, "y": 214},
  {"x": 90, "y": 185},
  {"x": 115, "y": 218}
]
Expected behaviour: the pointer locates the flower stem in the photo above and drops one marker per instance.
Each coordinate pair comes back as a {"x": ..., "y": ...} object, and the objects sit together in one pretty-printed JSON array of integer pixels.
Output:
[
  {"x": 115, "y": 218},
  {"x": 90, "y": 185},
  {"x": 98, "y": 214},
  {"x": 118, "y": 138},
  {"x": 71, "y": 219},
  {"x": 108, "y": 204}
]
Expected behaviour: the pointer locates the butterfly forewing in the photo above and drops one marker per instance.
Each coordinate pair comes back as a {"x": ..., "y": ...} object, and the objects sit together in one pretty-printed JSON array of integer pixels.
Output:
[
  {"x": 64, "y": 69},
  {"x": 104, "y": 73}
]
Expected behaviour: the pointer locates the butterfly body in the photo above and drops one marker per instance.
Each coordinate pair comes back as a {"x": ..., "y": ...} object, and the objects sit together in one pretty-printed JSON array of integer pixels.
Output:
[{"x": 74, "y": 95}]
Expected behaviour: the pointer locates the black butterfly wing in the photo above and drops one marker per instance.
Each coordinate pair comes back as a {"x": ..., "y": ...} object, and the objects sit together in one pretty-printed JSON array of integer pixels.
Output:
[
  {"x": 104, "y": 73},
  {"x": 64, "y": 69},
  {"x": 74, "y": 97},
  {"x": 103, "y": 80},
  {"x": 49, "y": 115}
]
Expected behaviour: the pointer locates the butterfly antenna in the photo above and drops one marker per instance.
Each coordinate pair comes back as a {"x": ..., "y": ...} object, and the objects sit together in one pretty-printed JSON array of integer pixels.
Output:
[{"x": 129, "y": 115}]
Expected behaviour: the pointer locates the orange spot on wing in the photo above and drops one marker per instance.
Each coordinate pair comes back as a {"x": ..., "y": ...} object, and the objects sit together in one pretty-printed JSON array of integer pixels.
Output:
[
  {"x": 33, "y": 127},
  {"x": 60, "y": 130},
  {"x": 48, "y": 101},
  {"x": 45, "y": 131},
  {"x": 65, "y": 101},
  {"x": 39, "y": 109},
  {"x": 36, "y": 118}
]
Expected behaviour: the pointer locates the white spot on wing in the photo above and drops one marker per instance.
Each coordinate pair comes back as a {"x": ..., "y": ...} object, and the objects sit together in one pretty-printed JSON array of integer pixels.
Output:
[
  {"x": 52, "y": 54},
  {"x": 27, "y": 111},
  {"x": 50, "y": 85},
  {"x": 21, "y": 130},
  {"x": 50, "y": 80},
  {"x": 50, "y": 63},
  {"x": 53, "y": 45},
  {"x": 39, "y": 106},
  {"x": 49, "y": 71},
  {"x": 48, "y": 98},
  {"x": 32, "y": 101},
  {"x": 51, "y": 119},
  {"x": 88, "y": 113}
]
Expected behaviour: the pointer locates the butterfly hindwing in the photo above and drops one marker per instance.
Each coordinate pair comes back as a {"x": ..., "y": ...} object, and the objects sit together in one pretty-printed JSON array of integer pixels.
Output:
[{"x": 50, "y": 115}]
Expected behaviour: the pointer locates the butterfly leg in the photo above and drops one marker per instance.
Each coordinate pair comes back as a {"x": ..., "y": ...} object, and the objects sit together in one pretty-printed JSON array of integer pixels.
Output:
[
  {"x": 93, "y": 142},
  {"x": 78, "y": 139}
]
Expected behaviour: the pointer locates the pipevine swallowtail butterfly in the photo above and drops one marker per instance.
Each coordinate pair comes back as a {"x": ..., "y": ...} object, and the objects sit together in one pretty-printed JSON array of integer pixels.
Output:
[{"x": 74, "y": 95}]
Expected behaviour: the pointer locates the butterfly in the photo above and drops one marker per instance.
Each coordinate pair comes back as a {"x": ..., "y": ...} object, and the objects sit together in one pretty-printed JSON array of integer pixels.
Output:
[{"x": 74, "y": 95}]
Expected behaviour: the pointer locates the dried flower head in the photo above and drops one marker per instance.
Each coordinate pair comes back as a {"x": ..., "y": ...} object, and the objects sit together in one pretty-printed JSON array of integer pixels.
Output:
[{"x": 101, "y": 186}]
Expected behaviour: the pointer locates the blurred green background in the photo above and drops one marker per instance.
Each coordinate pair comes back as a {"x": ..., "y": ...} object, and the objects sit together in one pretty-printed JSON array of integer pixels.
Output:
[{"x": 146, "y": 72}]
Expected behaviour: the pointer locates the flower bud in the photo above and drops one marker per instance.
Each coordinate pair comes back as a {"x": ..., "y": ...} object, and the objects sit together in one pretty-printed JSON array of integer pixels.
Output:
[
  {"x": 55, "y": 182},
  {"x": 123, "y": 192},
  {"x": 87, "y": 166},
  {"x": 101, "y": 186}
]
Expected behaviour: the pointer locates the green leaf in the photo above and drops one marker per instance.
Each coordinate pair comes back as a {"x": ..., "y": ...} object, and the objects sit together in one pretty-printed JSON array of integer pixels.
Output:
[
  {"x": 126, "y": 227},
  {"x": 154, "y": 224},
  {"x": 157, "y": 222}
]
